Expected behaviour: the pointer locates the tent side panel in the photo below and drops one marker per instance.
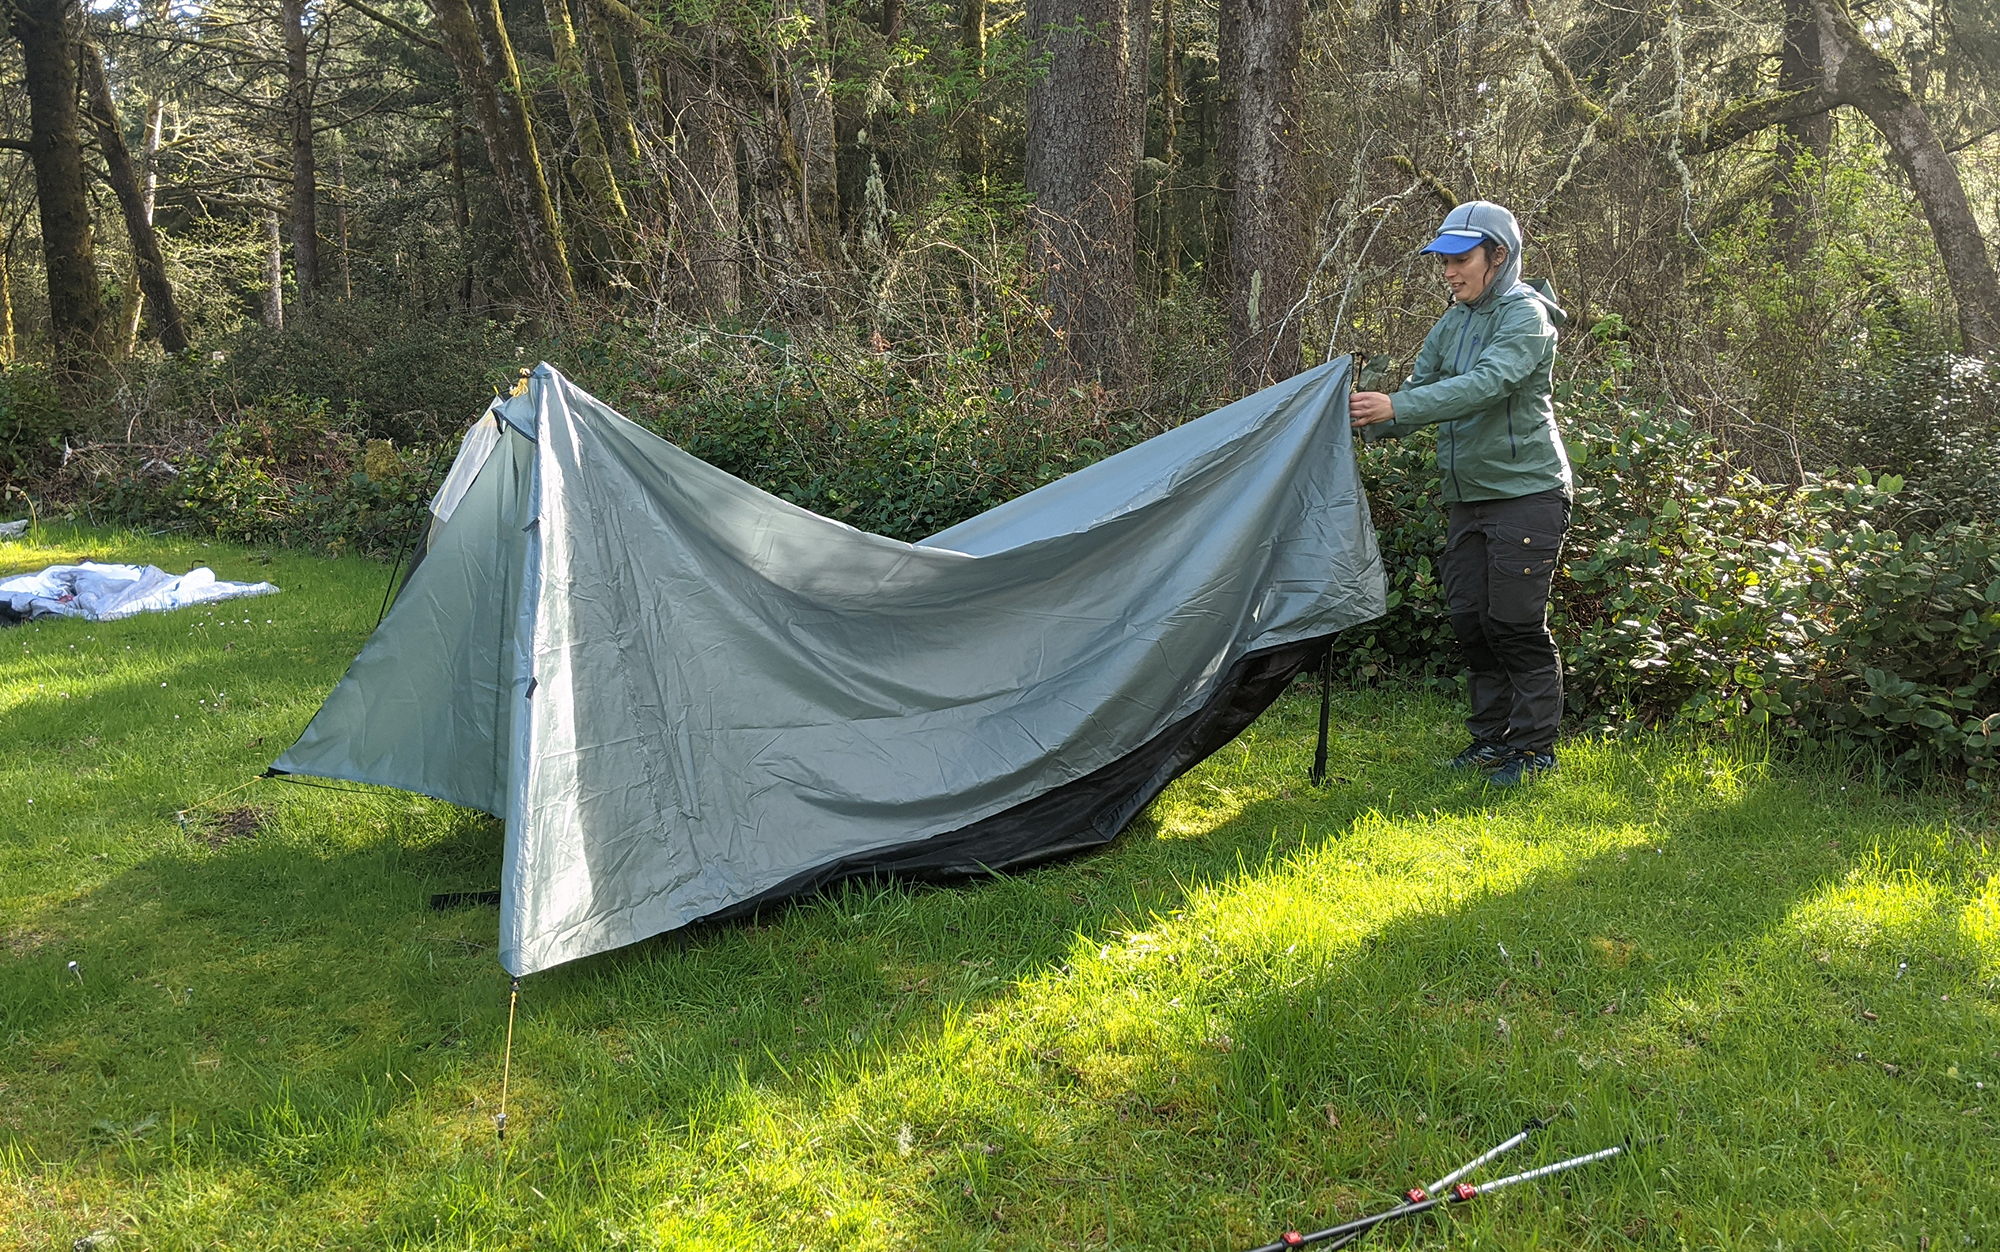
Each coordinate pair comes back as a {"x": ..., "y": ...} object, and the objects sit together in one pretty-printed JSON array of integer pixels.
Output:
[
  {"x": 425, "y": 706},
  {"x": 1078, "y": 816}
]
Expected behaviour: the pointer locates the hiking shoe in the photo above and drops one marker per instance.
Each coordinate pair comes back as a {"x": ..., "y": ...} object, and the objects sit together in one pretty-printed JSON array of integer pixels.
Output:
[
  {"x": 1479, "y": 754},
  {"x": 1519, "y": 767}
]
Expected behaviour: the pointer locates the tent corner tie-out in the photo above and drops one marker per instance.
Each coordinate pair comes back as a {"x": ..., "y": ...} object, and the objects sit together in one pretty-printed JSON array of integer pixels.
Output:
[{"x": 688, "y": 698}]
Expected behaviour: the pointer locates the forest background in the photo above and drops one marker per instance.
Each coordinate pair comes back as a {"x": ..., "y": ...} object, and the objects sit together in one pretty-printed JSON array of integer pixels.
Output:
[{"x": 897, "y": 262}]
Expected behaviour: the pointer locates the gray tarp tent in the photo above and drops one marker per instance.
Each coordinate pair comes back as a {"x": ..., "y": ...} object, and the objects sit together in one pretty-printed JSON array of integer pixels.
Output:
[{"x": 688, "y": 697}]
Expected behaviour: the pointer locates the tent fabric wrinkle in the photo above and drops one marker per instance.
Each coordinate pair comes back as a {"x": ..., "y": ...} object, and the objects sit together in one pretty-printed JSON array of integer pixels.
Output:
[{"x": 690, "y": 699}]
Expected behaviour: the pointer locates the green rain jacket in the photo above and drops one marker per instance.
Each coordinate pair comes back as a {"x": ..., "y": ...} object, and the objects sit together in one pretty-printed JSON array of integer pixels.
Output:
[{"x": 1483, "y": 378}]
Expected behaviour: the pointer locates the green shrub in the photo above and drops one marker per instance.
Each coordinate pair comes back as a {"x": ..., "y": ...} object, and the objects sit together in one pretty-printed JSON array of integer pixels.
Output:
[
  {"x": 289, "y": 472},
  {"x": 394, "y": 377},
  {"x": 902, "y": 471},
  {"x": 900, "y": 448},
  {"x": 1933, "y": 418},
  {"x": 33, "y": 421},
  {"x": 1691, "y": 591}
]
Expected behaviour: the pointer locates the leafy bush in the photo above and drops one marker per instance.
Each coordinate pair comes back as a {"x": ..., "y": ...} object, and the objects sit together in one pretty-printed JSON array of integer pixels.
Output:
[
  {"x": 1933, "y": 418},
  {"x": 850, "y": 429},
  {"x": 395, "y": 377},
  {"x": 1690, "y": 590},
  {"x": 33, "y": 421},
  {"x": 287, "y": 472}
]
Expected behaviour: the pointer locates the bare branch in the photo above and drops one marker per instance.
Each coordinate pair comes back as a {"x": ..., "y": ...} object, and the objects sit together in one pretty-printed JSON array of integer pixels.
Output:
[
  {"x": 1731, "y": 124},
  {"x": 1431, "y": 182}
]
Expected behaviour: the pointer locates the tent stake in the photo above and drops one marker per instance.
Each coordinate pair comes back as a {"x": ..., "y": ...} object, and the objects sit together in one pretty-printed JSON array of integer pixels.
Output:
[{"x": 507, "y": 1060}]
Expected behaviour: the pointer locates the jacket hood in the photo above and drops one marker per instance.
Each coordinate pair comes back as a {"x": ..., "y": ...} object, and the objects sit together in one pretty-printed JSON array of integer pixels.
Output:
[
  {"x": 1541, "y": 289},
  {"x": 1494, "y": 222}
]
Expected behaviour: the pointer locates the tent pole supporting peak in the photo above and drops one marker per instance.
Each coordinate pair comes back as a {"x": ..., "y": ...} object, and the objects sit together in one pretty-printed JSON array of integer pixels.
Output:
[{"x": 430, "y": 485}]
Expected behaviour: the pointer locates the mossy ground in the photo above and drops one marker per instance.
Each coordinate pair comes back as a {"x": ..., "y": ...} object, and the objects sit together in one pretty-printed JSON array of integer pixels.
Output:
[{"x": 1266, "y": 1006}]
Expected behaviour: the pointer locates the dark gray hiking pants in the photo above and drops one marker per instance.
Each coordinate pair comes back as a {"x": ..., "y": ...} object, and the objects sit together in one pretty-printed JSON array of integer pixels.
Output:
[{"x": 1499, "y": 558}]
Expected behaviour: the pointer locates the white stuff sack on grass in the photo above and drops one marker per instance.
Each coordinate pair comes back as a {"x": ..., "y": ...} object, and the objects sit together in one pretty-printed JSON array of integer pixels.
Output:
[{"x": 103, "y": 593}]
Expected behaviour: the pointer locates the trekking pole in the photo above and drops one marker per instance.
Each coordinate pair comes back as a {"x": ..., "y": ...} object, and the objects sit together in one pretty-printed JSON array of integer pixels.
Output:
[
  {"x": 1318, "y": 772},
  {"x": 1459, "y": 1194},
  {"x": 1417, "y": 1195}
]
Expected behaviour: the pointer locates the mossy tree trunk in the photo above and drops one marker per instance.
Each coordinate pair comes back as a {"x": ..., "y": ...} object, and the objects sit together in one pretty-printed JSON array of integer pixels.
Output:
[
  {"x": 1080, "y": 172},
  {"x": 49, "y": 35},
  {"x": 617, "y": 101},
  {"x": 475, "y": 37},
  {"x": 135, "y": 203},
  {"x": 593, "y": 163},
  {"x": 1268, "y": 230}
]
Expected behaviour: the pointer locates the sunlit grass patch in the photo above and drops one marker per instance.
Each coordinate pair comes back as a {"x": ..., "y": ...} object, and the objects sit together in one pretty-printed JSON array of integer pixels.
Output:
[{"x": 1268, "y": 1004}]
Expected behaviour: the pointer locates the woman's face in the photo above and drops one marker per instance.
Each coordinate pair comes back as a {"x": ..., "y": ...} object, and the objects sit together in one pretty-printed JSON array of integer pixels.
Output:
[{"x": 1468, "y": 273}]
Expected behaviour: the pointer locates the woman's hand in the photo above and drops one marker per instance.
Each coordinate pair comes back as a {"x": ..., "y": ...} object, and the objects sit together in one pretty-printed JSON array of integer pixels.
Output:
[{"x": 1366, "y": 408}]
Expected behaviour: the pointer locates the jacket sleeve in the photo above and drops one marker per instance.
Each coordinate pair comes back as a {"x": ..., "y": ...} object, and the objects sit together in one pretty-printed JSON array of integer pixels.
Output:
[
  {"x": 1518, "y": 348},
  {"x": 1427, "y": 368}
]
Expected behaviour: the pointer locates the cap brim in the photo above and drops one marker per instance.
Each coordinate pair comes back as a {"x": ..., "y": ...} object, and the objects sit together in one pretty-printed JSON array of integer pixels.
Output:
[{"x": 1454, "y": 244}]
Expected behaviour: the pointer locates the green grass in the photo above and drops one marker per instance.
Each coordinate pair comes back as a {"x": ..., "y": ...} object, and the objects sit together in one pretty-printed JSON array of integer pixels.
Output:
[{"x": 1266, "y": 1006}]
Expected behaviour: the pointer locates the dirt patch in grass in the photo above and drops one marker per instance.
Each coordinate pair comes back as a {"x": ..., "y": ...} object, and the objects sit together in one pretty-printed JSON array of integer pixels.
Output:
[{"x": 232, "y": 825}]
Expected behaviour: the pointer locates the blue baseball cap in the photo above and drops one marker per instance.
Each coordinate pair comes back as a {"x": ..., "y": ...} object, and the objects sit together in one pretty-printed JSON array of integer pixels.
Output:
[
  {"x": 1454, "y": 242},
  {"x": 1473, "y": 223}
]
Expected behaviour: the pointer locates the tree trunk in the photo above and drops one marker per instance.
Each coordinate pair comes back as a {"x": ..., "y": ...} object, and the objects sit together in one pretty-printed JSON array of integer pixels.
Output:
[
  {"x": 1168, "y": 253},
  {"x": 475, "y": 38},
  {"x": 593, "y": 164},
  {"x": 971, "y": 128},
  {"x": 782, "y": 227},
  {"x": 604, "y": 51},
  {"x": 8, "y": 348},
  {"x": 340, "y": 211},
  {"x": 1859, "y": 75},
  {"x": 135, "y": 201},
  {"x": 135, "y": 292},
  {"x": 1079, "y": 171},
  {"x": 305, "y": 174},
  {"x": 48, "y": 34},
  {"x": 274, "y": 273},
  {"x": 1798, "y": 70},
  {"x": 708, "y": 217},
  {"x": 1228, "y": 75},
  {"x": 1268, "y": 226},
  {"x": 461, "y": 212},
  {"x": 1138, "y": 69},
  {"x": 810, "y": 76}
]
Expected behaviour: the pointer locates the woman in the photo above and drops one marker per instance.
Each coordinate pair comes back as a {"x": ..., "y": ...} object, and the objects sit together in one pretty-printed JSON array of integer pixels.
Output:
[{"x": 1483, "y": 379}]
